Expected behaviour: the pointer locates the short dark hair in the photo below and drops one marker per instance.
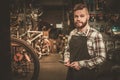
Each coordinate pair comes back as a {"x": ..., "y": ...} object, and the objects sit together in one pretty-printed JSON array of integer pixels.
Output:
[{"x": 79, "y": 6}]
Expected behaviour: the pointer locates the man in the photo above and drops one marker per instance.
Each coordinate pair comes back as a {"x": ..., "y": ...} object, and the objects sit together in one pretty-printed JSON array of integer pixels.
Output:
[{"x": 85, "y": 50}]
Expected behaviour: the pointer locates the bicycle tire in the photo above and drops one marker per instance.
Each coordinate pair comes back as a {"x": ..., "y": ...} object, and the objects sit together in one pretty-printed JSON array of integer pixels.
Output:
[{"x": 33, "y": 55}]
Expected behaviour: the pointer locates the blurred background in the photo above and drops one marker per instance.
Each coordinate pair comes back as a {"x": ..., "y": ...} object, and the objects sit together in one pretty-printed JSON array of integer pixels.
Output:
[{"x": 46, "y": 24}]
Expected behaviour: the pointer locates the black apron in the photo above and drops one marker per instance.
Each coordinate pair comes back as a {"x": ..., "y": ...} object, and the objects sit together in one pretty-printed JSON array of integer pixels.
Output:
[{"x": 79, "y": 51}]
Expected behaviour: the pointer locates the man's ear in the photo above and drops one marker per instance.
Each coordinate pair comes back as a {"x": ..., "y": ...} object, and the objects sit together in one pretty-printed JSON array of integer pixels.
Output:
[{"x": 88, "y": 17}]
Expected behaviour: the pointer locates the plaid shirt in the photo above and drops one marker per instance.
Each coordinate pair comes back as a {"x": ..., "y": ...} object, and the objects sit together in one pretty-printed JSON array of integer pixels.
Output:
[{"x": 95, "y": 45}]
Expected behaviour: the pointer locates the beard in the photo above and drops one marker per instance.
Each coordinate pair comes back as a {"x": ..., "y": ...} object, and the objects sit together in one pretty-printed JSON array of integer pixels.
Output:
[{"x": 80, "y": 26}]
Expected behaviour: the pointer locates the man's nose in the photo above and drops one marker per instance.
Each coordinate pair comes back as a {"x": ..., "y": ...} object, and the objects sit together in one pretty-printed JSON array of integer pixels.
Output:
[{"x": 79, "y": 18}]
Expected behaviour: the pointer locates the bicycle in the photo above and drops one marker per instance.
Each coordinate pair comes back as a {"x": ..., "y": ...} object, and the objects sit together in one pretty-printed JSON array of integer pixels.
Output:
[
  {"x": 25, "y": 63},
  {"x": 36, "y": 39},
  {"x": 33, "y": 38}
]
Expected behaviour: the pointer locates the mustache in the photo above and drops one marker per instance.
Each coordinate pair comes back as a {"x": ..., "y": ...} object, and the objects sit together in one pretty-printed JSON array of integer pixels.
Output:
[{"x": 78, "y": 22}]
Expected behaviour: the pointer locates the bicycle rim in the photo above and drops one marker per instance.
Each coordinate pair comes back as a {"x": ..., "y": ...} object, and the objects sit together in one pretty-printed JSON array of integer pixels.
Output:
[{"x": 19, "y": 63}]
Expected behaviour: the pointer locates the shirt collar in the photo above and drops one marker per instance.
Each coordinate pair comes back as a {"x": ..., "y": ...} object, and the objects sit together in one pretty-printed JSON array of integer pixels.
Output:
[{"x": 83, "y": 33}]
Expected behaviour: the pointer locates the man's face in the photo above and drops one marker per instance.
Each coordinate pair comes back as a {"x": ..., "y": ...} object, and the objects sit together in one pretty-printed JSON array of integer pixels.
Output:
[{"x": 81, "y": 18}]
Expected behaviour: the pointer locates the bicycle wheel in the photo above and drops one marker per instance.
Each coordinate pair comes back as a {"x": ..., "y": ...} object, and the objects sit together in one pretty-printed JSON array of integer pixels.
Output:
[{"x": 25, "y": 63}]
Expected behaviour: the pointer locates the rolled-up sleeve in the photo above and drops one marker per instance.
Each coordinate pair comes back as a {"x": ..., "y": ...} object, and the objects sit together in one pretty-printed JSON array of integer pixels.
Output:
[{"x": 66, "y": 54}]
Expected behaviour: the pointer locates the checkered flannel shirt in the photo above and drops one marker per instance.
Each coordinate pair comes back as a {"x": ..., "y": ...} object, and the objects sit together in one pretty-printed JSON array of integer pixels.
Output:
[{"x": 95, "y": 45}]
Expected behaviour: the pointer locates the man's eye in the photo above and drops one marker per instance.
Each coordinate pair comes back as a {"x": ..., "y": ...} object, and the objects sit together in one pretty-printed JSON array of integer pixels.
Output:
[
  {"x": 75, "y": 16},
  {"x": 81, "y": 15}
]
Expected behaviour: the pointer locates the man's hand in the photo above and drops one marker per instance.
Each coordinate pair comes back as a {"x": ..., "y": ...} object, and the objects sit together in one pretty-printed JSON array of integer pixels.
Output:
[
  {"x": 75, "y": 65},
  {"x": 67, "y": 63}
]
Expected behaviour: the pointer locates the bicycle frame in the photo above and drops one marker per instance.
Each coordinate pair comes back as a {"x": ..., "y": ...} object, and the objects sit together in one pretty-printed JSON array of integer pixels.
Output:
[{"x": 32, "y": 37}]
